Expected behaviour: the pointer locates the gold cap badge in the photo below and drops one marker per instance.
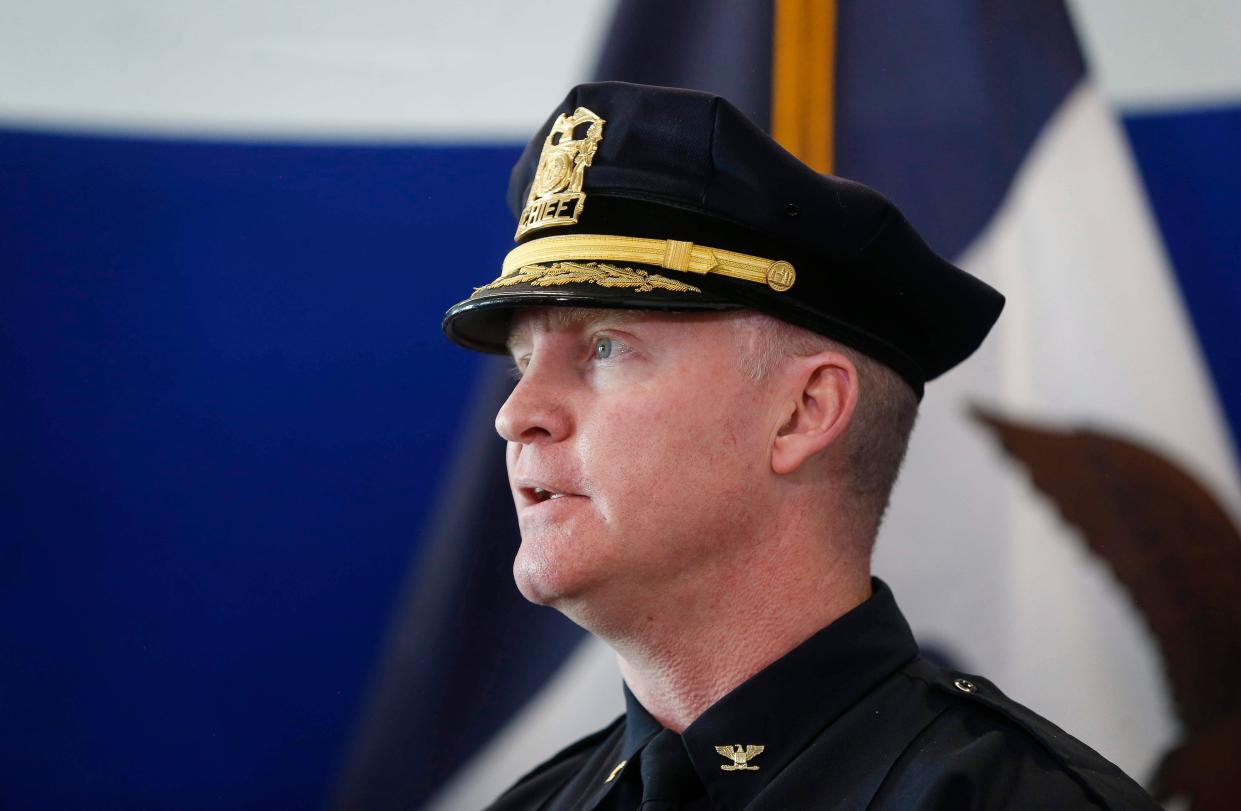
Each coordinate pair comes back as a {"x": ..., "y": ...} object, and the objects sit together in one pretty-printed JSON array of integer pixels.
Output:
[{"x": 556, "y": 196}]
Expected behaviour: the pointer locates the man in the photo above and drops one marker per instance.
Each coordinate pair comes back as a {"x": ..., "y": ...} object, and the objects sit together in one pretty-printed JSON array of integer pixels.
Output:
[{"x": 720, "y": 356}]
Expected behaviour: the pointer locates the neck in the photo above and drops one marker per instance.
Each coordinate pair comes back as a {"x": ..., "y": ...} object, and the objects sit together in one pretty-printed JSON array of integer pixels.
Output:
[{"x": 707, "y": 641}]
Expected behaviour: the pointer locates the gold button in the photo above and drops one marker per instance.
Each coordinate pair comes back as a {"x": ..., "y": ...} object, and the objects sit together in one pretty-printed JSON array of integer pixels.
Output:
[
  {"x": 964, "y": 685},
  {"x": 780, "y": 276}
]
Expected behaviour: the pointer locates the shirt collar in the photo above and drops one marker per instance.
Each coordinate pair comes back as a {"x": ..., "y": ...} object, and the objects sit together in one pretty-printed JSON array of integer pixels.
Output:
[
  {"x": 786, "y": 705},
  {"x": 640, "y": 725}
]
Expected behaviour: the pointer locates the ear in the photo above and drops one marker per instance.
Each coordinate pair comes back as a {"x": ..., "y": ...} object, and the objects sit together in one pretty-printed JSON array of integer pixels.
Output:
[{"x": 825, "y": 389}]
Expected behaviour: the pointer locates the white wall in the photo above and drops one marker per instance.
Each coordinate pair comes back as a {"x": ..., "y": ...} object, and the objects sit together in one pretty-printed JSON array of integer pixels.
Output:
[{"x": 484, "y": 70}]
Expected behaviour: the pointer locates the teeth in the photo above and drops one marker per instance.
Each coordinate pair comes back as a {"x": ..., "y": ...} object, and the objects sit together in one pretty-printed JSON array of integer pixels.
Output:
[{"x": 545, "y": 495}]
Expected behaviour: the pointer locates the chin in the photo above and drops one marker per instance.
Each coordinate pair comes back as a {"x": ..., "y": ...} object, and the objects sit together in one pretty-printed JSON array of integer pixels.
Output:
[
  {"x": 538, "y": 579},
  {"x": 568, "y": 585},
  {"x": 532, "y": 588}
]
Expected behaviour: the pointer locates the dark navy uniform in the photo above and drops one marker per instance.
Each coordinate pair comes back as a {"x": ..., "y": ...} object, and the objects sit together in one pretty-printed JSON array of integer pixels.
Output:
[{"x": 851, "y": 719}]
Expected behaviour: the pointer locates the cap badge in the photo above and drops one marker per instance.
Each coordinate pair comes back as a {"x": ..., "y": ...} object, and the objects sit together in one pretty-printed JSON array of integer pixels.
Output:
[
  {"x": 740, "y": 757},
  {"x": 556, "y": 196}
]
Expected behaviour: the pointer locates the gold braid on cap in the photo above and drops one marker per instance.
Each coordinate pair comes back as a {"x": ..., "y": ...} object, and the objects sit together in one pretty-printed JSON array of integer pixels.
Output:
[{"x": 671, "y": 254}]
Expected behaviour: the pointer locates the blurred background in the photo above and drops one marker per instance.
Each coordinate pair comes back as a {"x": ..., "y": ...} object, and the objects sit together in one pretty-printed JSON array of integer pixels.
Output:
[{"x": 254, "y": 533}]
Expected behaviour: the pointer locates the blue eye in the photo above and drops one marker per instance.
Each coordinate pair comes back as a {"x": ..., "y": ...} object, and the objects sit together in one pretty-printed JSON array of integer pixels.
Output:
[{"x": 603, "y": 348}]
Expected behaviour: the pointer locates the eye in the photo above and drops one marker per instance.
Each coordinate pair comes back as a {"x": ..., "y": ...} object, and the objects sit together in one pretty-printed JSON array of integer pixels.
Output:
[
  {"x": 518, "y": 369},
  {"x": 608, "y": 350}
]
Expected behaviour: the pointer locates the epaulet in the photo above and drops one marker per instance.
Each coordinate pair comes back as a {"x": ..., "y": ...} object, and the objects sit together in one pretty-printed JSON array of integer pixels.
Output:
[
  {"x": 563, "y": 756},
  {"x": 1102, "y": 780}
]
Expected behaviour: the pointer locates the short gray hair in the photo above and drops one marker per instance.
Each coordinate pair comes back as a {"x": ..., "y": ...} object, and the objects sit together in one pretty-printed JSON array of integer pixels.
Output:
[{"x": 874, "y": 444}]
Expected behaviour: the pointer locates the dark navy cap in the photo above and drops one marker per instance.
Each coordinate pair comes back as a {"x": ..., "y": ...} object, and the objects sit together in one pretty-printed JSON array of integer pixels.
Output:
[{"x": 657, "y": 198}]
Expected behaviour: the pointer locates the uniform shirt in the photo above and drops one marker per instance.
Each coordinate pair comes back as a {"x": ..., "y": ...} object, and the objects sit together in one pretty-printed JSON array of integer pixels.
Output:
[{"x": 853, "y": 718}]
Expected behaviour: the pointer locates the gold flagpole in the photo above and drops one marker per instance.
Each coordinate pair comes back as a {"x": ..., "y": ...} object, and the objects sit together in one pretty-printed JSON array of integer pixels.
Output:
[{"x": 803, "y": 78}]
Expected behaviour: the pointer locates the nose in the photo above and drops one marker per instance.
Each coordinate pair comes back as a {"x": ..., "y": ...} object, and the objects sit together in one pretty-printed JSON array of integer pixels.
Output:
[{"x": 536, "y": 410}]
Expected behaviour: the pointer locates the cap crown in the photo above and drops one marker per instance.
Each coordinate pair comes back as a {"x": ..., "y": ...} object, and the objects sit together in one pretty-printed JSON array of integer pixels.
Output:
[{"x": 687, "y": 166}]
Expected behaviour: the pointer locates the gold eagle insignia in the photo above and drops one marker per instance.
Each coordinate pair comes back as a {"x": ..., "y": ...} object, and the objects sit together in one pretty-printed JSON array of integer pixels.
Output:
[
  {"x": 740, "y": 757},
  {"x": 1146, "y": 516}
]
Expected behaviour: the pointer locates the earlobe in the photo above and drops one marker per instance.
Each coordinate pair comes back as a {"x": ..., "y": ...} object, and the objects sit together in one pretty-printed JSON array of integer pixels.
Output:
[{"x": 826, "y": 395}]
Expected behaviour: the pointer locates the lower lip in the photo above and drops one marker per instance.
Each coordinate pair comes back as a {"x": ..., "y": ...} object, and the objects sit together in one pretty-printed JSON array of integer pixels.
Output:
[{"x": 549, "y": 502}]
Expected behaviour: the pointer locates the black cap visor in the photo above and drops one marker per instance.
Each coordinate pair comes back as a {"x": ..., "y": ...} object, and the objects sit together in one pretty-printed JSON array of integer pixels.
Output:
[{"x": 482, "y": 322}]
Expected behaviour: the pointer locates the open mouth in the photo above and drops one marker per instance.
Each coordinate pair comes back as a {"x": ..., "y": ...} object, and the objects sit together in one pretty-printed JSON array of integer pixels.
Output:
[{"x": 540, "y": 495}]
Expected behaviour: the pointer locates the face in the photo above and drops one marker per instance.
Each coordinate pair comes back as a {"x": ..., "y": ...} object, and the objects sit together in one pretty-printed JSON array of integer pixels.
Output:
[{"x": 637, "y": 451}]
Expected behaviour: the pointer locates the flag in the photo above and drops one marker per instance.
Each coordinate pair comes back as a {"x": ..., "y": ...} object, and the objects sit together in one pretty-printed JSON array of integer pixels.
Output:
[
  {"x": 255, "y": 538},
  {"x": 1066, "y": 521}
]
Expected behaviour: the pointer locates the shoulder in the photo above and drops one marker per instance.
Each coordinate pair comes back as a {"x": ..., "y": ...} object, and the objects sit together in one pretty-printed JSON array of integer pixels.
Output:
[
  {"x": 982, "y": 750},
  {"x": 544, "y": 780}
]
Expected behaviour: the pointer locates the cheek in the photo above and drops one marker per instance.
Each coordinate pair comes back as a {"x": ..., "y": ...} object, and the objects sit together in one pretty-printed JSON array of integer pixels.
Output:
[
  {"x": 718, "y": 426},
  {"x": 691, "y": 457}
]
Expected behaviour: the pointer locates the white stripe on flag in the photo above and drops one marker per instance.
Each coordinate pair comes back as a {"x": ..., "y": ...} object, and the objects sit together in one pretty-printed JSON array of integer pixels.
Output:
[{"x": 585, "y": 695}]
